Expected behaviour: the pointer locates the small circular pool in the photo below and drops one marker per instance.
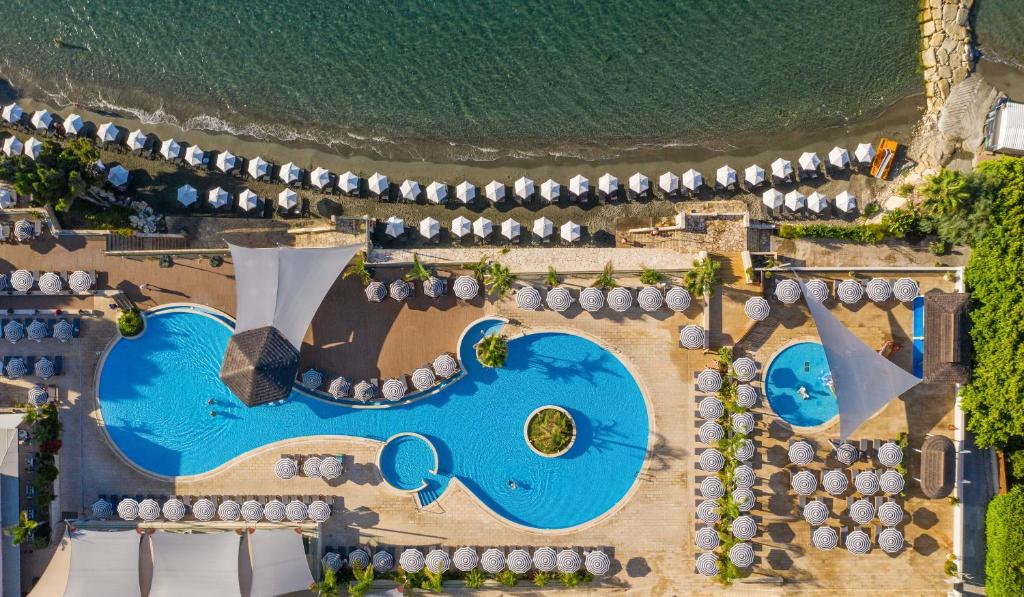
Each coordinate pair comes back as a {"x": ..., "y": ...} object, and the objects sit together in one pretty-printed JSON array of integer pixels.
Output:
[
  {"x": 407, "y": 461},
  {"x": 798, "y": 385}
]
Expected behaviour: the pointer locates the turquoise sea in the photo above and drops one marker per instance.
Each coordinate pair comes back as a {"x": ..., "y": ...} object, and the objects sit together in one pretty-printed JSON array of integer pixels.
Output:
[
  {"x": 999, "y": 26},
  {"x": 471, "y": 79}
]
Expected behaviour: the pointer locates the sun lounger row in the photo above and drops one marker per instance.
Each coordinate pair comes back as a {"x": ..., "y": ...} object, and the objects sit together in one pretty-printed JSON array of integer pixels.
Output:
[
  {"x": 23, "y": 282},
  {"x": 391, "y": 390},
  {"x": 492, "y": 560},
  {"x": 44, "y": 367},
  {"x": 37, "y": 329},
  {"x": 250, "y": 509},
  {"x": 328, "y": 467}
]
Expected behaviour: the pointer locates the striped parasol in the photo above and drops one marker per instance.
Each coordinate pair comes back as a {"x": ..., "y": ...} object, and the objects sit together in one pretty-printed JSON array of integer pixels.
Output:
[
  {"x": 518, "y": 561},
  {"x": 22, "y": 280},
  {"x": 559, "y": 299},
  {"x": 466, "y": 559},
  {"x": 252, "y": 511},
  {"x": 174, "y": 509},
  {"x": 340, "y": 387},
  {"x": 437, "y": 561},
  {"x": 358, "y": 558},
  {"x": 708, "y": 565},
  {"x": 545, "y": 559},
  {"x": 890, "y": 454},
  {"x": 364, "y": 391},
  {"x": 423, "y": 378},
  {"x": 393, "y": 389},
  {"x": 274, "y": 511},
  {"x": 445, "y": 365},
  {"x": 286, "y": 468},
  {"x": 649, "y": 298},
  {"x": 743, "y": 476},
  {"x": 295, "y": 511},
  {"x": 905, "y": 290},
  {"x": 817, "y": 290},
  {"x": 801, "y": 453},
  {"x": 376, "y": 291},
  {"x": 204, "y": 510},
  {"x": 128, "y": 509},
  {"x": 890, "y": 540},
  {"x": 711, "y": 408},
  {"x": 861, "y": 511},
  {"x": 399, "y": 290},
  {"x": 825, "y": 538},
  {"x": 50, "y": 283},
  {"x": 711, "y": 461},
  {"x": 23, "y": 231},
  {"x": 37, "y": 396},
  {"x": 890, "y": 514},
  {"x": 330, "y": 467},
  {"x": 528, "y": 298},
  {"x": 312, "y": 379},
  {"x": 319, "y": 511},
  {"x": 36, "y": 330},
  {"x": 743, "y": 423},
  {"x": 834, "y": 482},
  {"x": 149, "y": 510},
  {"x": 383, "y": 562},
  {"x": 597, "y": 562},
  {"x": 709, "y": 511},
  {"x": 433, "y": 287},
  {"x": 746, "y": 396},
  {"x": 745, "y": 369},
  {"x": 741, "y": 555},
  {"x": 710, "y": 432},
  {"x": 569, "y": 561},
  {"x": 44, "y": 368},
  {"x": 331, "y": 561},
  {"x": 706, "y": 538},
  {"x": 692, "y": 337},
  {"x": 866, "y": 482},
  {"x": 804, "y": 483},
  {"x": 677, "y": 298},
  {"x": 619, "y": 299},
  {"x": 757, "y": 308},
  {"x": 847, "y": 453},
  {"x": 744, "y": 499},
  {"x": 746, "y": 450},
  {"x": 493, "y": 561},
  {"x": 63, "y": 330},
  {"x": 15, "y": 368},
  {"x": 891, "y": 482},
  {"x": 311, "y": 467},
  {"x": 744, "y": 527},
  {"x": 858, "y": 542},
  {"x": 230, "y": 511},
  {"x": 849, "y": 291},
  {"x": 711, "y": 488},
  {"x": 709, "y": 380},
  {"x": 14, "y": 331},
  {"x": 102, "y": 509},
  {"x": 787, "y": 291},
  {"x": 879, "y": 290},
  {"x": 815, "y": 513},
  {"x": 591, "y": 299},
  {"x": 466, "y": 287}
]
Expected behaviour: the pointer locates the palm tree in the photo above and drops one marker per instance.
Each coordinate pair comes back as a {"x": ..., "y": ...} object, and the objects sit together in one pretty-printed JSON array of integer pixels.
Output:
[
  {"x": 478, "y": 269},
  {"x": 946, "y": 193},
  {"x": 552, "y": 279},
  {"x": 702, "y": 279},
  {"x": 417, "y": 271},
  {"x": 492, "y": 351},
  {"x": 364, "y": 580},
  {"x": 23, "y": 530},
  {"x": 358, "y": 268},
  {"x": 605, "y": 280},
  {"x": 499, "y": 279}
]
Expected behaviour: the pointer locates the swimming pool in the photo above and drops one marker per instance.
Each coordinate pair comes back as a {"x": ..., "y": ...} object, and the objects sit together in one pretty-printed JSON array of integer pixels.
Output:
[
  {"x": 801, "y": 365},
  {"x": 407, "y": 461},
  {"x": 154, "y": 394}
]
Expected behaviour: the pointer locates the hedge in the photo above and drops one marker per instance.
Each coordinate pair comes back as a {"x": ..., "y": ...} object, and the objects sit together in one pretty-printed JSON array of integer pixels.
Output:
[{"x": 1004, "y": 531}]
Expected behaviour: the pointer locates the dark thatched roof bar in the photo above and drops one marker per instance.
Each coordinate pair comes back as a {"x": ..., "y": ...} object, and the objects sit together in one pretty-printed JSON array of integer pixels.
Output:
[
  {"x": 947, "y": 354},
  {"x": 259, "y": 366}
]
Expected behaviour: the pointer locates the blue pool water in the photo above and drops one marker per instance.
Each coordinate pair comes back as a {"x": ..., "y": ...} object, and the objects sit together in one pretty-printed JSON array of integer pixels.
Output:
[
  {"x": 801, "y": 365},
  {"x": 153, "y": 393},
  {"x": 918, "y": 341},
  {"x": 407, "y": 461}
]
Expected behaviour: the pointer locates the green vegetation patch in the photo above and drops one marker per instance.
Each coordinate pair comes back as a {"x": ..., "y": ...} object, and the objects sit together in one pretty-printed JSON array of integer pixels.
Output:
[
  {"x": 550, "y": 431},
  {"x": 492, "y": 351},
  {"x": 130, "y": 323},
  {"x": 56, "y": 176},
  {"x": 1004, "y": 558}
]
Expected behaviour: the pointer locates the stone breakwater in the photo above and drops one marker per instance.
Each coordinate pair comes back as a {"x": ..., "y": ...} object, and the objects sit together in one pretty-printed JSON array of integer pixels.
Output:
[{"x": 947, "y": 54}]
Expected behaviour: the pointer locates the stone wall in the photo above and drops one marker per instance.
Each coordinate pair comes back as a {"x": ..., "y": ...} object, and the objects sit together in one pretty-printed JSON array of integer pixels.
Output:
[{"x": 946, "y": 54}]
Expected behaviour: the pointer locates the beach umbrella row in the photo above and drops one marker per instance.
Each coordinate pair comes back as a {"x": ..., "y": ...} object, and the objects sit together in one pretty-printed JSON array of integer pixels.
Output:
[
  {"x": 619, "y": 299},
  {"x": 816, "y": 202}
]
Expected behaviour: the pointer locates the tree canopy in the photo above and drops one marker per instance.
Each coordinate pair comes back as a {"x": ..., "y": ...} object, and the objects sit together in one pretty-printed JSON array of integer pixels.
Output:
[
  {"x": 1004, "y": 530},
  {"x": 57, "y": 175}
]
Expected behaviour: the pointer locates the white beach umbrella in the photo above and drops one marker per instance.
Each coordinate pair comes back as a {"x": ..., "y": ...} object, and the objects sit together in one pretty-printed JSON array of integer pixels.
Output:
[
  {"x": 461, "y": 226},
  {"x": 187, "y": 195},
  {"x": 227, "y": 161},
  {"x": 410, "y": 190},
  {"x": 466, "y": 559},
  {"x": 817, "y": 202},
  {"x": 746, "y": 396},
  {"x": 36, "y": 331},
  {"x": 709, "y": 380},
  {"x": 377, "y": 184},
  {"x": 708, "y": 564},
  {"x": 710, "y": 432},
  {"x": 429, "y": 228},
  {"x": 846, "y": 202},
  {"x": 438, "y": 562},
  {"x": 607, "y": 185},
  {"x": 286, "y": 468},
  {"x": 597, "y": 562},
  {"x": 890, "y": 514},
  {"x": 528, "y": 298},
  {"x": 753, "y": 175},
  {"x": 743, "y": 527},
  {"x": 15, "y": 368},
  {"x": 891, "y": 482},
  {"x": 834, "y": 482},
  {"x": 274, "y": 511},
  {"x": 543, "y": 228},
  {"x": 692, "y": 337},
  {"x": 668, "y": 183},
  {"x": 118, "y": 176},
  {"x": 319, "y": 511},
  {"x": 289, "y": 173},
  {"x": 38, "y": 396},
  {"x": 247, "y": 200},
  {"x": 128, "y": 509},
  {"x": 772, "y": 199},
  {"x": 591, "y": 299},
  {"x": 639, "y": 184},
  {"x": 743, "y": 423},
  {"x": 434, "y": 287},
  {"x": 174, "y": 510},
  {"x": 712, "y": 488},
  {"x": 22, "y": 280},
  {"x": 348, "y": 182},
  {"x": 706, "y": 539},
  {"x": 465, "y": 192},
  {"x": 809, "y": 161},
  {"x": 42, "y": 119},
  {"x": 757, "y": 308},
  {"x": 817, "y": 290},
  {"x": 102, "y": 509},
  {"x": 711, "y": 408},
  {"x": 170, "y": 149},
  {"x": 745, "y": 369},
  {"x": 13, "y": 146},
  {"x": 744, "y": 499},
  {"x": 287, "y": 199},
  {"x": 550, "y": 190},
  {"x": 319, "y": 177},
  {"x": 579, "y": 186},
  {"x": 493, "y": 561},
  {"x": 194, "y": 155},
  {"x": 311, "y": 467},
  {"x": 725, "y": 177},
  {"x": 107, "y": 133},
  {"x": 230, "y": 511},
  {"x": 482, "y": 227},
  {"x": 795, "y": 201},
  {"x": 295, "y": 511},
  {"x": 523, "y": 188},
  {"x": 782, "y": 169},
  {"x": 741, "y": 555},
  {"x": 864, "y": 153},
  {"x": 677, "y": 298},
  {"x": 746, "y": 450},
  {"x": 12, "y": 113},
  {"x": 649, "y": 298},
  {"x": 394, "y": 227},
  {"x": 692, "y": 180},
  {"x": 330, "y": 467},
  {"x": 312, "y": 379},
  {"x": 847, "y": 453},
  {"x": 890, "y": 540},
  {"x": 423, "y": 378},
  {"x": 149, "y": 510},
  {"x": 838, "y": 158},
  {"x": 340, "y": 387},
  {"x": 709, "y": 511},
  {"x": 619, "y": 299},
  {"x": 364, "y": 391},
  {"x": 393, "y": 389},
  {"x": 544, "y": 559},
  {"x": 33, "y": 147},
  {"x": 711, "y": 461},
  {"x": 787, "y": 291},
  {"x": 905, "y": 290},
  {"x": 218, "y": 198},
  {"x": 858, "y": 542},
  {"x": 815, "y": 513},
  {"x": 866, "y": 482},
  {"x": 849, "y": 291},
  {"x": 801, "y": 453},
  {"x": 879, "y": 290},
  {"x": 331, "y": 561},
  {"x": 518, "y": 561},
  {"x": 6, "y": 199},
  {"x": 495, "y": 191},
  {"x": 258, "y": 168},
  {"x": 399, "y": 290},
  {"x": 570, "y": 231},
  {"x": 437, "y": 192},
  {"x": 43, "y": 368},
  {"x": 804, "y": 483},
  {"x": 252, "y": 511},
  {"x": 445, "y": 365},
  {"x": 743, "y": 476},
  {"x": 559, "y": 299},
  {"x": 383, "y": 562},
  {"x": 137, "y": 140},
  {"x": 63, "y": 330},
  {"x": 510, "y": 229},
  {"x": 825, "y": 538}
]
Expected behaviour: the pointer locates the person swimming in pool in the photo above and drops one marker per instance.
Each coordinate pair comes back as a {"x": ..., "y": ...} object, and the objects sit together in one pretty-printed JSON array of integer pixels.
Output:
[
  {"x": 803, "y": 393},
  {"x": 512, "y": 484}
]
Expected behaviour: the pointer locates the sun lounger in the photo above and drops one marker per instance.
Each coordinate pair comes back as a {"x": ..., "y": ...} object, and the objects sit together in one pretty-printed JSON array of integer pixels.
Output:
[
  {"x": 864, "y": 449},
  {"x": 76, "y": 327},
  {"x": 58, "y": 365}
]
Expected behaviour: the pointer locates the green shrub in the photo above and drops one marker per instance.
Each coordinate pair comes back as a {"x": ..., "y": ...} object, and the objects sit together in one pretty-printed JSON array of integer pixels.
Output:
[
  {"x": 541, "y": 579},
  {"x": 1015, "y": 462},
  {"x": 475, "y": 579},
  {"x": 1004, "y": 532},
  {"x": 938, "y": 247},
  {"x": 550, "y": 431},
  {"x": 651, "y": 277},
  {"x": 900, "y": 222},
  {"x": 492, "y": 351},
  {"x": 950, "y": 568},
  {"x": 507, "y": 578},
  {"x": 130, "y": 323},
  {"x": 861, "y": 233}
]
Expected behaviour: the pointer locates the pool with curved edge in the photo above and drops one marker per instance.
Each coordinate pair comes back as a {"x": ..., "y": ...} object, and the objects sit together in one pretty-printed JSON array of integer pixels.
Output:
[
  {"x": 407, "y": 461},
  {"x": 801, "y": 365},
  {"x": 155, "y": 394}
]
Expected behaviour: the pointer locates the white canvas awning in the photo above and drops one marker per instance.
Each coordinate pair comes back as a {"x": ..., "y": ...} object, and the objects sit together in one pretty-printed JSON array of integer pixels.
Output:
[
  {"x": 93, "y": 564},
  {"x": 1006, "y": 131},
  {"x": 194, "y": 564},
  {"x": 279, "y": 564}
]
